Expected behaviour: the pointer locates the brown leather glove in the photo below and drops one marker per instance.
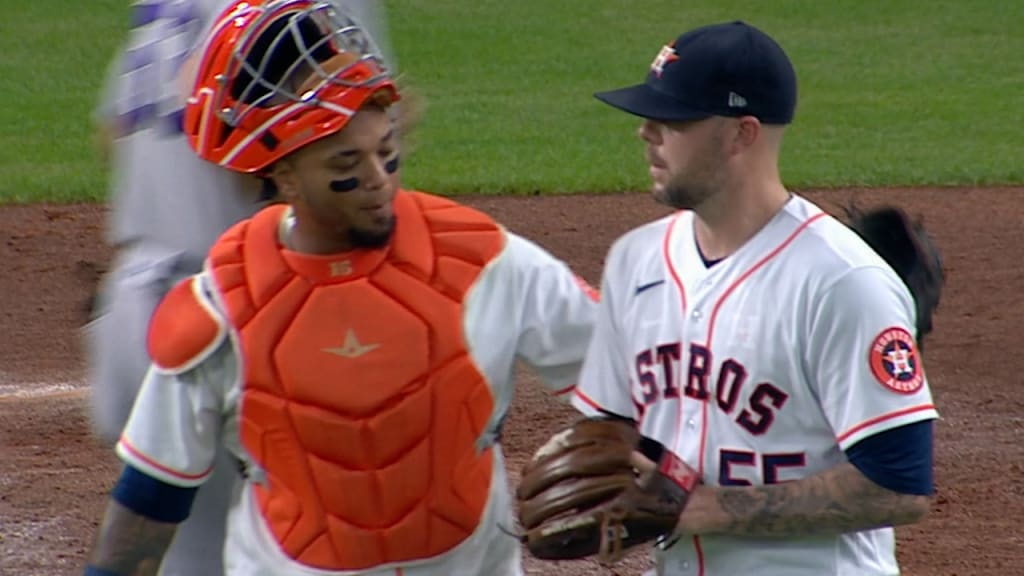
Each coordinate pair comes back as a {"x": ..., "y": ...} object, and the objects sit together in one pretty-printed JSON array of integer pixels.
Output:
[
  {"x": 909, "y": 250},
  {"x": 581, "y": 494}
]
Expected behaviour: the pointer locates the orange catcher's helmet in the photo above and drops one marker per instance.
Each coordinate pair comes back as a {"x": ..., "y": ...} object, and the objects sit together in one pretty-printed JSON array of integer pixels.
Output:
[{"x": 275, "y": 75}]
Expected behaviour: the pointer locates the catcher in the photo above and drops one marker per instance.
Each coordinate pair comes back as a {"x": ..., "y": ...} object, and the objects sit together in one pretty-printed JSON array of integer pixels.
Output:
[
  {"x": 167, "y": 207},
  {"x": 352, "y": 348},
  {"x": 755, "y": 395}
]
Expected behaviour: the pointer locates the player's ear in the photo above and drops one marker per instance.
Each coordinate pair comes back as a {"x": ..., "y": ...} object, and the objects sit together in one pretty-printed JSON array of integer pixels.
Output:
[
  {"x": 285, "y": 179},
  {"x": 747, "y": 131}
]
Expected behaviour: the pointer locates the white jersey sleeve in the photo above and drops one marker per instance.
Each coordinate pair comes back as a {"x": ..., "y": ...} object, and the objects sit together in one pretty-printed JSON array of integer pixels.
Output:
[
  {"x": 179, "y": 418},
  {"x": 604, "y": 380},
  {"x": 556, "y": 315},
  {"x": 870, "y": 312},
  {"x": 535, "y": 302}
]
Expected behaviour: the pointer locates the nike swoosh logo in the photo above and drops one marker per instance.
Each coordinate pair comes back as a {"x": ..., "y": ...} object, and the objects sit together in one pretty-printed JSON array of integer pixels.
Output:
[{"x": 648, "y": 286}]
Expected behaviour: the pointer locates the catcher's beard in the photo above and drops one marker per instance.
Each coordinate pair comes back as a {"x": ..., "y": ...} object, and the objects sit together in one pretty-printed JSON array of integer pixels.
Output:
[{"x": 365, "y": 238}]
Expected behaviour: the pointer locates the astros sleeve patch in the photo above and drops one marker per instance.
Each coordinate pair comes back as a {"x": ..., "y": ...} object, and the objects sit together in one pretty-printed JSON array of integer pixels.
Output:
[
  {"x": 895, "y": 361},
  {"x": 184, "y": 329}
]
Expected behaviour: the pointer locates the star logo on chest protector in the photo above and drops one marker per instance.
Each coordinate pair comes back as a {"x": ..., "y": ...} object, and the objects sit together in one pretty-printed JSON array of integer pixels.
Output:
[{"x": 351, "y": 347}]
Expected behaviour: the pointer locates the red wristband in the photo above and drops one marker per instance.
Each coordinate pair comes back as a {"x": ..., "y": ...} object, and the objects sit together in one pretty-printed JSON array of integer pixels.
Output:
[{"x": 680, "y": 472}]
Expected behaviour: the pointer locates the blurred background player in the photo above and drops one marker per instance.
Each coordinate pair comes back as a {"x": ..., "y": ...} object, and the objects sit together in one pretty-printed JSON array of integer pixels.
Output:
[{"x": 167, "y": 207}]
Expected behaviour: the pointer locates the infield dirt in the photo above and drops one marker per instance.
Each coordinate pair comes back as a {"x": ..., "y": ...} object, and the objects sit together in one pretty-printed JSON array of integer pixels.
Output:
[{"x": 54, "y": 477}]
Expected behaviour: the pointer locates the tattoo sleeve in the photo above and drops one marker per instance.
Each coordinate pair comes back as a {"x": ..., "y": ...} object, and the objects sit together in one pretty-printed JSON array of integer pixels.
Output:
[
  {"x": 130, "y": 544},
  {"x": 837, "y": 500}
]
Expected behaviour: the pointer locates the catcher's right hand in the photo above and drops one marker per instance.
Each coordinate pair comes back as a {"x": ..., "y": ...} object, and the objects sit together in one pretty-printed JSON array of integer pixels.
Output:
[{"x": 582, "y": 494}]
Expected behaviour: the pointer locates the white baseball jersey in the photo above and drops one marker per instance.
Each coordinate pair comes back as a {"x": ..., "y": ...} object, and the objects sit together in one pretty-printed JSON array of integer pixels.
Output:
[
  {"x": 525, "y": 305},
  {"x": 763, "y": 368}
]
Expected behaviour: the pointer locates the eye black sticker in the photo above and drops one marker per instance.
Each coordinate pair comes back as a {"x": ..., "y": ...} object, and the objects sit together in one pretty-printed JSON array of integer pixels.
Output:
[
  {"x": 350, "y": 184},
  {"x": 346, "y": 185}
]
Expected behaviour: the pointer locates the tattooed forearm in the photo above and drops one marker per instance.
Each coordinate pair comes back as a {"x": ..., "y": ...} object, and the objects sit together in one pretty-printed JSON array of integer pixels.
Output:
[
  {"x": 130, "y": 544},
  {"x": 837, "y": 500}
]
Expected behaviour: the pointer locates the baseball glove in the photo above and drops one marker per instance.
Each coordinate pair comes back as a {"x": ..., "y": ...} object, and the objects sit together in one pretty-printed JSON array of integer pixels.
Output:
[
  {"x": 909, "y": 250},
  {"x": 581, "y": 495}
]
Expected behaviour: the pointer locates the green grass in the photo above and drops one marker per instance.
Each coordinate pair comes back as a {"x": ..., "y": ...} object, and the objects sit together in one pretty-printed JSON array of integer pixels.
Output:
[
  {"x": 892, "y": 92},
  {"x": 896, "y": 92},
  {"x": 54, "y": 56}
]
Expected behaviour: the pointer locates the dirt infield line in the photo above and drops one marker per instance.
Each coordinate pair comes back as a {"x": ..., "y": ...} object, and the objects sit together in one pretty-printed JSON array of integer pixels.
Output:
[{"x": 34, "y": 390}]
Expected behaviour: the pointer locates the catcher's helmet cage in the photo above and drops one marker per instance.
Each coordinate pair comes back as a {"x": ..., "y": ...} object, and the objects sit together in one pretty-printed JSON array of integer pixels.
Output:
[{"x": 274, "y": 76}]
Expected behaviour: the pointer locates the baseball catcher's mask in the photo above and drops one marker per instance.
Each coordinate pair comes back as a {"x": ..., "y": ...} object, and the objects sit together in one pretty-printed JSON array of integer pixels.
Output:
[{"x": 277, "y": 75}]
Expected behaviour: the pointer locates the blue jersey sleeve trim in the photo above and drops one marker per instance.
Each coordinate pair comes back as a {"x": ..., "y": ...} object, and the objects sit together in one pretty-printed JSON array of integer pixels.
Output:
[{"x": 152, "y": 498}]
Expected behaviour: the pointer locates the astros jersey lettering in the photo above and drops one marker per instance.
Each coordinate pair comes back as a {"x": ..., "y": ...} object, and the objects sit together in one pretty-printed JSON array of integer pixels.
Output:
[
  {"x": 365, "y": 413},
  {"x": 761, "y": 369}
]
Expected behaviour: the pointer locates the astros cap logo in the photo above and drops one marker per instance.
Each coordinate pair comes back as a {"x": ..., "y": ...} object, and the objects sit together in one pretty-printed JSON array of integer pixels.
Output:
[
  {"x": 666, "y": 56},
  {"x": 895, "y": 362}
]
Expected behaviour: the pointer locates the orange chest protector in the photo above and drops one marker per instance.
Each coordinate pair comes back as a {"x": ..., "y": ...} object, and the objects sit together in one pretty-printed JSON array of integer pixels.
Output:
[{"x": 360, "y": 403}]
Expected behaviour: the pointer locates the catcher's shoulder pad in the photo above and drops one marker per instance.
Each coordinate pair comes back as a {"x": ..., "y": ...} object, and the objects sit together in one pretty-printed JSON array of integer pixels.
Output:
[{"x": 185, "y": 328}]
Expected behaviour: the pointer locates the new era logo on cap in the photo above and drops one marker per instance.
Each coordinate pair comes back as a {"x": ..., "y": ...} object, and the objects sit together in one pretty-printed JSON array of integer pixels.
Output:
[{"x": 736, "y": 101}]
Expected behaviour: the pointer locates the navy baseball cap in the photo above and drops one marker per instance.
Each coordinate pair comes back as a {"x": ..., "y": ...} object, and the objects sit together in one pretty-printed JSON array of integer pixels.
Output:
[{"x": 729, "y": 69}]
